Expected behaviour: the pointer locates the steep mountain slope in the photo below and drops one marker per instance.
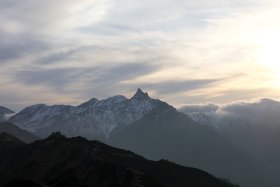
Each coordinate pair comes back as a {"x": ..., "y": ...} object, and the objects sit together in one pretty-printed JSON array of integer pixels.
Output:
[
  {"x": 166, "y": 133},
  {"x": 17, "y": 132},
  {"x": 93, "y": 119},
  {"x": 58, "y": 161},
  {"x": 5, "y": 113}
]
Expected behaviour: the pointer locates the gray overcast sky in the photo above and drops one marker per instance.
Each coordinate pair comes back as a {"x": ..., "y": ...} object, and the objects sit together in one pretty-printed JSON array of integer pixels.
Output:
[{"x": 181, "y": 51}]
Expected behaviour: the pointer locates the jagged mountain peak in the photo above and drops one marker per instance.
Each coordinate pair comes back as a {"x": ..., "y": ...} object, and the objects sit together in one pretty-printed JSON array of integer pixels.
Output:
[{"x": 140, "y": 94}]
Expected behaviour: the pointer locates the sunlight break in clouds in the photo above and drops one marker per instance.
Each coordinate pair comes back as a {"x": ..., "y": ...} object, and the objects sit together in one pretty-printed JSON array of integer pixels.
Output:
[{"x": 208, "y": 51}]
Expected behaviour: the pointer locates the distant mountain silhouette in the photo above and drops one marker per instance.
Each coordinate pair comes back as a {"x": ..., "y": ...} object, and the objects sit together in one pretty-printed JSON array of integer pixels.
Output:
[
  {"x": 167, "y": 133},
  {"x": 5, "y": 113},
  {"x": 252, "y": 127},
  {"x": 17, "y": 132},
  {"x": 76, "y": 162}
]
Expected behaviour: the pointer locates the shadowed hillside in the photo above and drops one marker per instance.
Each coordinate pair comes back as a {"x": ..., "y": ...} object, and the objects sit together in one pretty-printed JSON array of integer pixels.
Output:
[{"x": 73, "y": 162}]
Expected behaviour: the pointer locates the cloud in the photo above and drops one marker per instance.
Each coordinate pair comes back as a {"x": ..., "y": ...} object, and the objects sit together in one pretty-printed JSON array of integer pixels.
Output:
[
  {"x": 108, "y": 78},
  {"x": 67, "y": 14},
  {"x": 35, "y": 27},
  {"x": 202, "y": 108},
  {"x": 183, "y": 86},
  {"x": 62, "y": 55},
  {"x": 173, "y": 49},
  {"x": 124, "y": 72},
  {"x": 56, "y": 78},
  {"x": 175, "y": 86},
  {"x": 101, "y": 79},
  {"x": 265, "y": 112},
  {"x": 19, "y": 47}
]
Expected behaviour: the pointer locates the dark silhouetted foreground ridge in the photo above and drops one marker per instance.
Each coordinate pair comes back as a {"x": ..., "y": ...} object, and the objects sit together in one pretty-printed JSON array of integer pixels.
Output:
[{"x": 76, "y": 162}]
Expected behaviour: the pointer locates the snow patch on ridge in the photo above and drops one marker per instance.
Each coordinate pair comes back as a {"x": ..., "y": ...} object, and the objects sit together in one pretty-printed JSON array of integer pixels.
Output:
[{"x": 90, "y": 119}]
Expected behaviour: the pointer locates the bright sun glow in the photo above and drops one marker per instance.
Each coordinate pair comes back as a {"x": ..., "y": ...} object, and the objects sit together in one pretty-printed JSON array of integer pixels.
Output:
[{"x": 270, "y": 56}]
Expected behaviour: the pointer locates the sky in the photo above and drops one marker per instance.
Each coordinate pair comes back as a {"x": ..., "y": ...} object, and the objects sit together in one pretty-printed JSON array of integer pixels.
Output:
[{"x": 180, "y": 51}]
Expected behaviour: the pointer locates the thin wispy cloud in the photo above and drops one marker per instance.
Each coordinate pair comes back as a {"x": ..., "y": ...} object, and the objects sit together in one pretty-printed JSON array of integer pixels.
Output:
[{"x": 176, "y": 49}]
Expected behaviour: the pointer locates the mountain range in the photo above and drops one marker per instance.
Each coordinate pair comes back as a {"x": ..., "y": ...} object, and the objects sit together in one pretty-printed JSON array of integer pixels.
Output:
[
  {"x": 167, "y": 133},
  {"x": 94, "y": 119},
  {"x": 76, "y": 162},
  {"x": 154, "y": 129}
]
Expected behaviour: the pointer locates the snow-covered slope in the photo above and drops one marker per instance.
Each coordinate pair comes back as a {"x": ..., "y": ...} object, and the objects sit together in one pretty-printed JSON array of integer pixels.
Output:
[{"x": 92, "y": 119}]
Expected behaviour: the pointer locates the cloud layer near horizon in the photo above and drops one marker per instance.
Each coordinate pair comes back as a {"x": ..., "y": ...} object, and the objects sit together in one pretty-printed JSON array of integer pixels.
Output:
[
  {"x": 180, "y": 51},
  {"x": 265, "y": 112}
]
